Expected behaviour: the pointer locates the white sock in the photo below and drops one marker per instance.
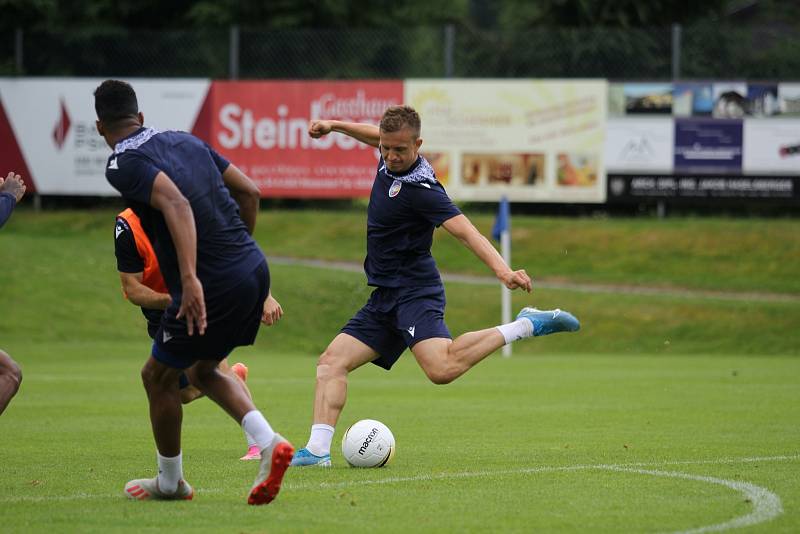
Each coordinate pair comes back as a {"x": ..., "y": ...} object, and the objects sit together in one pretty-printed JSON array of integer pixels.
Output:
[
  {"x": 319, "y": 443},
  {"x": 255, "y": 425},
  {"x": 170, "y": 472},
  {"x": 250, "y": 440},
  {"x": 519, "y": 329}
]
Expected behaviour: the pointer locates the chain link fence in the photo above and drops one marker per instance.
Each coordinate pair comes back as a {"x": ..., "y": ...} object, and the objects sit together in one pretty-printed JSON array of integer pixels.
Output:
[{"x": 695, "y": 52}]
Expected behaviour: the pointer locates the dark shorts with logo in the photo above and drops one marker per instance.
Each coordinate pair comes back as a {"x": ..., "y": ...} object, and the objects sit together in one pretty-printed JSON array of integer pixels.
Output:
[
  {"x": 394, "y": 319},
  {"x": 233, "y": 319}
]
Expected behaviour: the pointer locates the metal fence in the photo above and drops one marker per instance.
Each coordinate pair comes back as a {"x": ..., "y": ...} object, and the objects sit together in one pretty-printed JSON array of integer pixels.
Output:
[{"x": 694, "y": 52}]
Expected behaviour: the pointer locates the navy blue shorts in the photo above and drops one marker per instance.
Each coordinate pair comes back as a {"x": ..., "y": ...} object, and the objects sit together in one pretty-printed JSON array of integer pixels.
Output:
[
  {"x": 233, "y": 320},
  {"x": 396, "y": 318}
]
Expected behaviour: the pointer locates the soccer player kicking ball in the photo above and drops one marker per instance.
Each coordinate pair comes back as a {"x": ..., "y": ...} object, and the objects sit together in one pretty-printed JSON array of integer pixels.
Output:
[
  {"x": 406, "y": 309},
  {"x": 217, "y": 278},
  {"x": 143, "y": 285}
]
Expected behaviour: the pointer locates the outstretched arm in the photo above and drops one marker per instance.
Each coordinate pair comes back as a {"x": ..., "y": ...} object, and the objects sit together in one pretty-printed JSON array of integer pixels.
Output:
[
  {"x": 366, "y": 133},
  {"x": 167, "y": 198},
  {"x": 461, "y": 227}
]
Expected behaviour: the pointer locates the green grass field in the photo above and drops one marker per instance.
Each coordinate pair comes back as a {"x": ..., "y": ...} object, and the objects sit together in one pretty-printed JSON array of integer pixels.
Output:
[{"x": 664, "y": 413}]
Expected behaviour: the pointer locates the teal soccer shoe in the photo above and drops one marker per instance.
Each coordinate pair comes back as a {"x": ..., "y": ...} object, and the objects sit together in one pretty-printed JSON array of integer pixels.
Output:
[
  {"x": 304, "y": 458},
  {"x": 549, "y": 321}
]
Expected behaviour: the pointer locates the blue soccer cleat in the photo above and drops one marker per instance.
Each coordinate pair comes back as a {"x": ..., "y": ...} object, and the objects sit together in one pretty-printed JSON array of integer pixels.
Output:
[
  {"x": 549, "y": 321},
  {"x": 304, "y": 458}
]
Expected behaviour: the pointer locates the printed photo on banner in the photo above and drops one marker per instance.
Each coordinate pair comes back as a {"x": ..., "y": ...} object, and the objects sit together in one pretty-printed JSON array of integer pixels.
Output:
[
  {"x": 789, "y": 99},
  {"x": 502, "y": 169},
  {"x": 648, "y": 98},
  {"x": 692, "y": 100},
  {"x": 440, "y": 161},
  {"x": 616, "y": 100},
  {"x": 762, "y": 100},
  {"x": 730, "y": 100},
  {"x": 576, "y": 170}
]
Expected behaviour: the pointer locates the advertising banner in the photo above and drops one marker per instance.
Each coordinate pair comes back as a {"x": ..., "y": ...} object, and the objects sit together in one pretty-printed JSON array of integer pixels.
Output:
[
  {"x": 708, "y": 146},
  {"x": 635, "y": 144},
  {"x": 772, "y": 146},
  {"x": 688, "y": 187},
  {"x": 530, "y": 140},
  {"x": 49, "y": 125},
  {"x": 262, "y": 127}
]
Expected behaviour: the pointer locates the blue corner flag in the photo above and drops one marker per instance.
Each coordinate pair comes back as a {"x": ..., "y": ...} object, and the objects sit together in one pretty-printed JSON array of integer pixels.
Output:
[{"x": 503, "y": 221}]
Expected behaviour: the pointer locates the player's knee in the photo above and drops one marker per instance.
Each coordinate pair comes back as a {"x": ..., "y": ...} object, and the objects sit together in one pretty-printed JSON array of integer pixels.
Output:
[
  {"x": 329, "y": 365},
  {"x": 11, "y": 371},
  {"x": 147, "y": 377},
  {"x": 442, "y": 375},
  {"x": 152, "y": 378},
  {"x": 14, "y": 378}
]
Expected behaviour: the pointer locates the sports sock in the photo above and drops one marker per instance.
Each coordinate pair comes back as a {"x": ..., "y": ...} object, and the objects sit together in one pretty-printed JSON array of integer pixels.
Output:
[
  {"x": 319, "y": 443},
  {"x": 519, "y": 329},
  {"x": 250, "y": 440},
  {"x": 170, "y": 472},
  {"x": 255, "y": 425}
]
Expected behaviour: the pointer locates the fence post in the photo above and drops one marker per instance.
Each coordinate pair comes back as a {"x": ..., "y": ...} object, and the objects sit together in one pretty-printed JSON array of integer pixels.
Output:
[
  {"x": 449, "y": 49},
  {"x": 676, "y": 51},
  {"x": 18, "y": 56},
  {"x": 233, "y": 52}
]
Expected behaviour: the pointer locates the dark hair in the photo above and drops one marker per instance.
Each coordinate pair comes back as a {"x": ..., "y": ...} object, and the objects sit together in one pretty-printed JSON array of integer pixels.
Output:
[
  {"x": 397, "y": 117},
  {"x": 115, "y": 100}
]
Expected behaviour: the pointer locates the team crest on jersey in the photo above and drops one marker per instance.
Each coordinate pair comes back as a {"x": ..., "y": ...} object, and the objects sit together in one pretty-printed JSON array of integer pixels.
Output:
[{"x": 395, "y": 189}]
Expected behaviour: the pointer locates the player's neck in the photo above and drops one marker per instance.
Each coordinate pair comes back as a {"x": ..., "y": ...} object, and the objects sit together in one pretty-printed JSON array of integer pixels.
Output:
[{"x": 123, "y": 132}]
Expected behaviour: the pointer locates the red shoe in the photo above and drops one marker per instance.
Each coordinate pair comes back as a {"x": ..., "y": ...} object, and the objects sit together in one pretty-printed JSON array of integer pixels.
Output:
[{"x": 275, "y": 459}]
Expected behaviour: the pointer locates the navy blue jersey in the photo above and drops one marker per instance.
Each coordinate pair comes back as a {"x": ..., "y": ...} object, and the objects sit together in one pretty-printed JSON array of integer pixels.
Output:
[
  {"x": 7, "y": 203},
  {"x": 401, "y": 218},
  {"x": 225, "y": 251},
  {"x": 128, "y": 258},
  {"x": 129, "y": 261}
]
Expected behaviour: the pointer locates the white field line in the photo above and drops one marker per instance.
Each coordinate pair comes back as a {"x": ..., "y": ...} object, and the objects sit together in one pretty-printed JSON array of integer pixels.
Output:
[
  {"x": 749, "y": 296},
  {"x": 766, "y": 505}
]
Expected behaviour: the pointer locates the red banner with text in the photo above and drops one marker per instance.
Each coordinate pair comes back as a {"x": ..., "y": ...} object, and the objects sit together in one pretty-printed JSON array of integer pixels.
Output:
[{"x": 262, "y": 128}]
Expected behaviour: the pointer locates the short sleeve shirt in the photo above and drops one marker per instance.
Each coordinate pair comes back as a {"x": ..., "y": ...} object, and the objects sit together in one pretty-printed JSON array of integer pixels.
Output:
[
  {"x": 129, "y": 260},
  {"x": 225, "y": 251},
  {"x": 401, "y": 218}
]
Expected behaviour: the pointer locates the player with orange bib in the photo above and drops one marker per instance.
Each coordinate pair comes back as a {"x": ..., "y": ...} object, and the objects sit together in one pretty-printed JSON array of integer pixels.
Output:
[{"x": 143, "y": 285}]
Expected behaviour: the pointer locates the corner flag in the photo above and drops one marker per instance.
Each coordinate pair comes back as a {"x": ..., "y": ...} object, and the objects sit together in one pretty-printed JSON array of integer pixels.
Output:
[
  {"x": 502, "y": 232},
  {"x": 501, "y": 224}
]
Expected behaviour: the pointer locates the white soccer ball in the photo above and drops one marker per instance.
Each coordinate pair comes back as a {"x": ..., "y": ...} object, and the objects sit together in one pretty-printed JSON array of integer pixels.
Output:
[{"x": 368, "y": 443}]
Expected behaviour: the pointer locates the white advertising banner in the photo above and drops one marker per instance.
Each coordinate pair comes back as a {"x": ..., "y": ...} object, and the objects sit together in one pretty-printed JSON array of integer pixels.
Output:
[
  {"x": 771, "y": 146},
  {"x": 530, "y": 140},
  {"x": 635, "y": 144},
  {"x": 53, "y": 121}
]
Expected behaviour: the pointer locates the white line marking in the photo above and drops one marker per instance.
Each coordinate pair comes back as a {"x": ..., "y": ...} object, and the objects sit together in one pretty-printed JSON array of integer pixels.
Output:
[{"x": 766, "y": 504}]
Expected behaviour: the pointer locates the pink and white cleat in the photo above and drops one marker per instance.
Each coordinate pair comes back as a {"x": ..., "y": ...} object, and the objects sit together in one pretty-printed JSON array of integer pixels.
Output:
[
  {"x": 144, "y": 489},
  {"x": 253, "y": 453}
]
